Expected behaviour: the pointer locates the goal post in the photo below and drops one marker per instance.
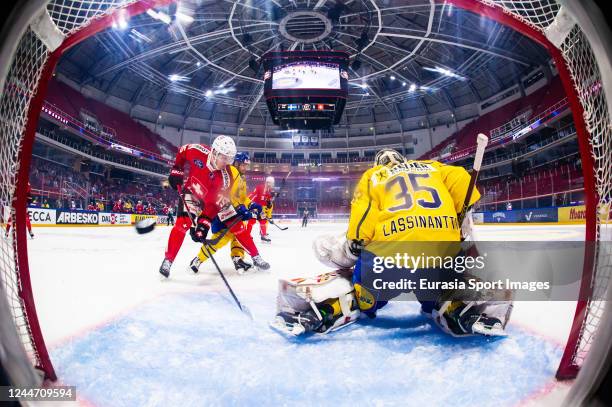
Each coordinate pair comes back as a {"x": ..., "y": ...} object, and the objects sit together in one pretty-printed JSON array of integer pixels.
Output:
[{"x": 65, "y": 23}]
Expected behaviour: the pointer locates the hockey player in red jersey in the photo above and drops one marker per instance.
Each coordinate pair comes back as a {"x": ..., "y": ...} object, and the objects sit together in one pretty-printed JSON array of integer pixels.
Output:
[
  {"x": 204, "y": 176},
  {"x": 139, "y": 207},
  {"x": 263, "y": 195},
  {"x": 9, "y": 223}
]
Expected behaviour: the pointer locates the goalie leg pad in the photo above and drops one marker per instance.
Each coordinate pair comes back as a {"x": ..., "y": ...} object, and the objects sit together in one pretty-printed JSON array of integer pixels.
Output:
[{"x": 321, "y": 304}]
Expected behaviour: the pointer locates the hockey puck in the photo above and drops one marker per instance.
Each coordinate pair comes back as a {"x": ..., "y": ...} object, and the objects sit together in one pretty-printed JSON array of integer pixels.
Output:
[{"x": 145, "y": 225}]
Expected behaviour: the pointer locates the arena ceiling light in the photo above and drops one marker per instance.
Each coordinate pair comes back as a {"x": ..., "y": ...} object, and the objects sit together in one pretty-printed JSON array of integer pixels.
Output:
[
  {"x": 184, "y": 14},
  {"x": 121, "y": 21},
  {"x": 177, "y": 78},
  {"x": 412, "y": 87},
  {"x": 445, "y": 72},
  {"x": 158, "y": 15}
]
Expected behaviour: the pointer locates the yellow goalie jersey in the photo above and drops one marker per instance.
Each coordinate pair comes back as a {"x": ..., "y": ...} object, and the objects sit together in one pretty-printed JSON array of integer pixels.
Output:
[{"x": 411, "y": 201}]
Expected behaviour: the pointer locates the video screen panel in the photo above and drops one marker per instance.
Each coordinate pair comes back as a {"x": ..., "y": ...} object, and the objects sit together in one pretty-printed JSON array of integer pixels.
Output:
[{"x": 306, "y": 75}]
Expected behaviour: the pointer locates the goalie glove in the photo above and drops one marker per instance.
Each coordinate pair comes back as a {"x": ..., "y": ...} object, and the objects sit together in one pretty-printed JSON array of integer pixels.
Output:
[
  {"x": 176, "y": 178},
  {"x": 335, "y": 251},
  {"x": 199, "y": 232}
]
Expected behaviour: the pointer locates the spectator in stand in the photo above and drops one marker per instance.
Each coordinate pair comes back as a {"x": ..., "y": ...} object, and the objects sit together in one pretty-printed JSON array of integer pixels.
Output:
[
  {"x": 72, "y": 205},
  {"x": 127, "y": 207},
  {"x": 139, "y": 209},
  {"x": 91, "y": 206},
  {"x": 118, "y": 206},
  {"x": 150, "y": 209},
  {"x": 509, "y": 206}
]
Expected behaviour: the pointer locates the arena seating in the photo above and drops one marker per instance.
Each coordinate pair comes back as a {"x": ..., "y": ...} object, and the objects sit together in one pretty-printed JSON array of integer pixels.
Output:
[
  {"x": 127, "y": 130},
  {"x": 327, "y": 188},
  {"x": 536, "y": 102}
]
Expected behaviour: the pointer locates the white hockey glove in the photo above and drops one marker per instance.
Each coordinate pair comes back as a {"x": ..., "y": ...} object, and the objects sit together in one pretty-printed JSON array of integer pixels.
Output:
[
  {"x": 193, "y": 206},
  {"x": 467, "y": 227},
  {"x": 334, "y": 251}
]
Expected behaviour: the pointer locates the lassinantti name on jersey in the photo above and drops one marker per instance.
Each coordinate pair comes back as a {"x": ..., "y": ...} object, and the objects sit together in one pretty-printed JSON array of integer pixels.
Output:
[{"x": 416, "y": 200}]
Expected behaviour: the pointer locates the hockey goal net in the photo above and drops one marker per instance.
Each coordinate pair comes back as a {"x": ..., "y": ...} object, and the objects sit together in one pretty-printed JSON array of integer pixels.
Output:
[{"x": 62, "y": 24}]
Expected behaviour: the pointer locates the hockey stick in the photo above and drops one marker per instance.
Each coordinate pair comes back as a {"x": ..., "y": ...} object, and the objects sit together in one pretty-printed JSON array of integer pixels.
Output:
[
  {"x": 277, "y": 225},
  {"x": 211, "y": 242},
  {"x": 207, "y": 245},
  {"x": 241, "y": 306},
  {"x": 481, "y": 145}
]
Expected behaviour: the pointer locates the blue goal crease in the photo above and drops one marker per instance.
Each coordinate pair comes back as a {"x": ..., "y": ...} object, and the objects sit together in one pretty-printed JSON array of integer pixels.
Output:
[{"x": 195, "y": 349}]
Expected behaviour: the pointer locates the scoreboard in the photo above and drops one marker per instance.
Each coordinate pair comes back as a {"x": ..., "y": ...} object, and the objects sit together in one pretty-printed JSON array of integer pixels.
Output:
[{"x": 306, "y": 89}]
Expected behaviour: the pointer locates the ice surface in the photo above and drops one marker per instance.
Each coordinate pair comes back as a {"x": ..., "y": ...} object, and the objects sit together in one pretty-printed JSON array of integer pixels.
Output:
[{"x": 125, "y": 338}]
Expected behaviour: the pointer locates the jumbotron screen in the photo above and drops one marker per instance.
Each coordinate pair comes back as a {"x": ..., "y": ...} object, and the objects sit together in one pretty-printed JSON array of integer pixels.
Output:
[
  {"x": 306, "y": 75},
  {"x": 306, "y": 89}
]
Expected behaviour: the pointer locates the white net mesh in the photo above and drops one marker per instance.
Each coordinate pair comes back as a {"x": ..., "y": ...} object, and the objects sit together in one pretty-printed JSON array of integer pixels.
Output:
[
  {"x": 537, "y": 14},
  {"x": 21, "y": 84},
  {"x": 71, "y": 16},
  {"x": 587, "y": 80}
]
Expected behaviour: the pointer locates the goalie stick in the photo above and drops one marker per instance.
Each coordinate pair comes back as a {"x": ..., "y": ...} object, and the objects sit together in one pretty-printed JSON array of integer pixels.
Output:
[
  {"x": 207, "y": 244},
  {"x": 481, "y": 145}
]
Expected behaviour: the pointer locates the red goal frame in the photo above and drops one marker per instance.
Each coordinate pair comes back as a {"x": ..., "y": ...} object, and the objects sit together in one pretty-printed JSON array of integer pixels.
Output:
[{"x": 567, "y": 368}]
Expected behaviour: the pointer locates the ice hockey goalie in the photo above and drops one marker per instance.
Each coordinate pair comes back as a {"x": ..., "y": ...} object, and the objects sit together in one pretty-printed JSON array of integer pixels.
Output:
[
  {"x": 397, "y": 201},
  {"x": 333, "y": 300}
]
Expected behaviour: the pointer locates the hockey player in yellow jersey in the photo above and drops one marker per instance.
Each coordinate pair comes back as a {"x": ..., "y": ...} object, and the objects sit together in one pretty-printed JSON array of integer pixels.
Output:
[
  {"x": 240, "y": 200},
  {"x": 396, "y": 201},
  {"x": 407, "y": 200}
]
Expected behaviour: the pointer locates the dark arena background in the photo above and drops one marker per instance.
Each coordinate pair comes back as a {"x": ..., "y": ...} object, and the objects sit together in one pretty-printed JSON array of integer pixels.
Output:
[{"x": 98, "y": 96}]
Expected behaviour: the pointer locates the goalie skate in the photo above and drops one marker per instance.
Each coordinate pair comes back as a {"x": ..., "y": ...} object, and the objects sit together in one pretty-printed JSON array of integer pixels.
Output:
[
  {"x": 295, "y": 324},
  {"x": 488, "y": 326}
]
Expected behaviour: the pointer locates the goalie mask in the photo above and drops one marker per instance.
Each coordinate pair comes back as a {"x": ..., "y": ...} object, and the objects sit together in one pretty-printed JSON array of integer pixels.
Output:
[{"x": 389, "y": 158}]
